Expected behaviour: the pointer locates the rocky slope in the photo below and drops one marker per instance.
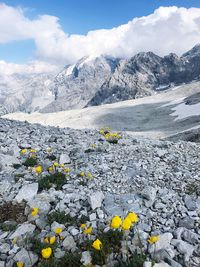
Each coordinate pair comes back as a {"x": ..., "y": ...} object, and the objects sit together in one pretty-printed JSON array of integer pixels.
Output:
[
  {"x": 158, "y": 180},
  {"x": 165, "y": 114}
]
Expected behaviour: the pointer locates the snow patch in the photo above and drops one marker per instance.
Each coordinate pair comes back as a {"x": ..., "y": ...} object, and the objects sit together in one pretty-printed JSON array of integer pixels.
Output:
[{"x": 183, "y": 111}]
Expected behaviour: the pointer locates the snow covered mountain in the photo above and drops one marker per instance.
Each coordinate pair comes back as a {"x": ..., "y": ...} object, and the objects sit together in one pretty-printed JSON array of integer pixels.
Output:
[
  {"x": 77, "y": 84},
  {"x": 97, "y": 80}
]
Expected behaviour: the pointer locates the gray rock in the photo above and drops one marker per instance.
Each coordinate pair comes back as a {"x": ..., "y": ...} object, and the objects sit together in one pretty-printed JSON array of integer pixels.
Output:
[
  {"x": 27, "y": 257},
  {"x": 22, "y": 230},
  {"x": 95, "y": 199},
  {"x": 190, "y": 203},
  {"x": 86, "y": 258},
  {"x": 184, "y": 248},
  {"x": 69, "y": 244},
  {"x": 2, "y": 264},
  {"x": 186, "y": 222},
  {"x": 27, "y": 192}
]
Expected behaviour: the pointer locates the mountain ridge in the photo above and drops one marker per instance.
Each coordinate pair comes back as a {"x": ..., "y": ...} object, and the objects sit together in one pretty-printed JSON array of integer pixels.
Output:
[{"x": 98, "y": 80}]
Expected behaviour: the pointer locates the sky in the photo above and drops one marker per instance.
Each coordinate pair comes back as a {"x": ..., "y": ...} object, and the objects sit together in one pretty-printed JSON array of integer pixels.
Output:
[{"x": 61, "y": 32}]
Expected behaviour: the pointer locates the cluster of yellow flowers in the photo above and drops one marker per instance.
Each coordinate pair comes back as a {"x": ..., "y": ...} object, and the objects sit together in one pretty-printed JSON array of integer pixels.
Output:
[
  {"x": 55, "y": 166},
  {"x": 112, "y": 136},
  {"x": 125, "y": 224},
  {"x": 108, "y": 135}
]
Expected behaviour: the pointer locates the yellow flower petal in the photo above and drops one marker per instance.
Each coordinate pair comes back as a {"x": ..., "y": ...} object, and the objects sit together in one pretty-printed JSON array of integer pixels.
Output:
[
  {"x": 20, "y": 264},
  {"x": 58, "y": 230},
  {"x": 153, "y": 239},
  {"x": 46, "y": 253},
  {"x": 34, "y": 211},
  {"x": 38, "y": 169},
  {"x": 126, "y": 224},
  {"x": 133, "y": 217},
  {"x": 83, "y": 225},
  {"x": 52, "y": 240},
  {"x": 97, "y": 244},
  {"x": 88, "y": 231},
  {"x": 116, "y": 222}
]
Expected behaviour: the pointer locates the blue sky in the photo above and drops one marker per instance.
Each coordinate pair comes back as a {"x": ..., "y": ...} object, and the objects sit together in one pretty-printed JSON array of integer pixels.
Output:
[{"x": 79, "y": 17}]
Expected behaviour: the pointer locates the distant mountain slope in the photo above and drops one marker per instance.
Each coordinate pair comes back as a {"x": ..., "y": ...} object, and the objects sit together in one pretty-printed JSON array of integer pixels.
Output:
[
  {"x": 96, "y": 81},
  {"x": 168, "y": 113},
  {"x": 146, "y": 73},
  {"x": 25, "y": 92},
  {"x": 78, "y": 83}
]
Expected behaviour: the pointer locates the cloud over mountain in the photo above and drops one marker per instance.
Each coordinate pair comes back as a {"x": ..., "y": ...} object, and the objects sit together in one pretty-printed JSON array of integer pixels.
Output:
[{"x": 168, "y": 29}]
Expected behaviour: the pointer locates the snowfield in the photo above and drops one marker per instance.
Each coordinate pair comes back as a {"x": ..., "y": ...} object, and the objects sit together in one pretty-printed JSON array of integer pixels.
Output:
[{"x": 157, "y": 116}]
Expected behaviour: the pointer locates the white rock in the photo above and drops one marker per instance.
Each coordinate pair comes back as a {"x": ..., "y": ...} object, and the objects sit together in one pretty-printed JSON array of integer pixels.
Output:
[
  {"x": 95, "y": 199},
  {"x": 86, "y": 258},
  {"x": 160, "y": 264},
  {"x": 27, "y": 192},
  {"x": 28, "y": 258},
  {"x": 2, "y": 264},
  {"x": 23, "y": 229},
  {"x": 64, "y": 158},
  {"x": 162, "y": 243}
]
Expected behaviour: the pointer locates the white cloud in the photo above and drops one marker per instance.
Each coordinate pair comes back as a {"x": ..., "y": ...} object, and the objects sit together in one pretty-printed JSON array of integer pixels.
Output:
[
  {"x": 33, "y": 67},
  {"x": 168, "y": 29}
]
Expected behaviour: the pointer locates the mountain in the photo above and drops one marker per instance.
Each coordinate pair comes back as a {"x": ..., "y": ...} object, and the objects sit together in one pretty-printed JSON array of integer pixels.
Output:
[
  {"x": 146, "y": 73},
  {"x": 97, "y": 80},
  {"x": 25, "y": 92},
  {"x": 78, "y": 83}
]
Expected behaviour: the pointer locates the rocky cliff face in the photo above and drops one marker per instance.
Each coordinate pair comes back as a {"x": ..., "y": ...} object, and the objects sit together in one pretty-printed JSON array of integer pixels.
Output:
[
  {"x": 77, "y": 84},
  {"x": 146, "y": 73},
  {"x": 98, "y": 80}
]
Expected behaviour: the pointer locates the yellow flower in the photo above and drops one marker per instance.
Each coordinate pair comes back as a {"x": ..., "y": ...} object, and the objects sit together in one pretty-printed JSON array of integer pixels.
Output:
[
  {"x": 56, "y": 164},
  {"x": 82, "y": 174},
  {"x": 93, "y": 145},
  {"x": 133, "y": 217},
  {"x": 46, "y": 253},
  {"x": 89, "y": 175},
  {"x": 23, "y": 151},
  {"x": 88, "y": 231},
  {"x": 66, "y": 170},
  {"x": 38, "y": 169},
  {"x": 33, "y": 156},
  {"x": 52, "y": 240},
  {"x": 83, "y": 225},
  {"x": 15, "y": 240},
  {"x": 34, "y": 211},
  {"x": 126, "y": 224},
  {"x": 51, "y": 169},
  {"x": 58, "y": 230},
  {"x": 49, "y": 149},
  {"x": 62, "y": 165},
  {"x": 153, "y": 239},
  {"x": 33, "y": 150},
  {"x": 97, "y": 244},
  {"x": 116, "y": 222},
  {"x": 46, "y": 240},
  {"x": 20, "y": 264}
]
